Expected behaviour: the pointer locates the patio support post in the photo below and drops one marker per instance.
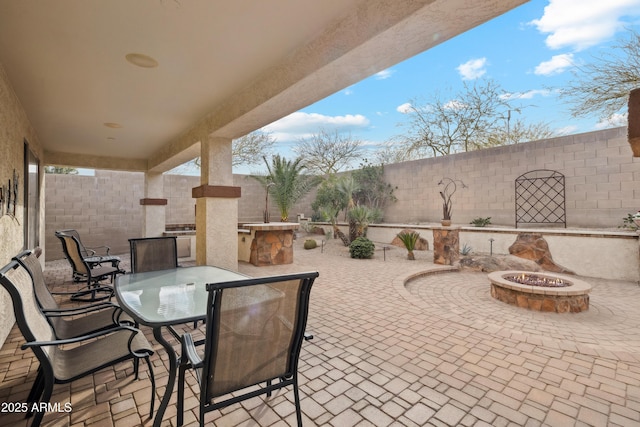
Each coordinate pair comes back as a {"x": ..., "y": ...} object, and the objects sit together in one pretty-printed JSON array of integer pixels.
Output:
[
  {"x": 216, "y": 206},
  {"x": 153, "y": 205}
]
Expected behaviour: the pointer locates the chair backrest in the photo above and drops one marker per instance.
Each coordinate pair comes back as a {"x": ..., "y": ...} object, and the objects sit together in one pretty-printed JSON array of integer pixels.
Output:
[
  {"x": 71, "y": 232},
  {"x": 32, "y": 322},
  {"x": 30, "y": 262},
  {"x": 153, "y": 253},
  {"x": 255, "y": 329},
  {"x": 71, "y": 248}
]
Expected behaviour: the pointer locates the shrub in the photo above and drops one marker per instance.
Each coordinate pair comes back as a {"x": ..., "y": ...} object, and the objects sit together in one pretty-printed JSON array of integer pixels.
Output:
[
  {"x": 310, "y": 244},
  {"x": 361, "y": 248},
  {"x": 481, "y": 222}
]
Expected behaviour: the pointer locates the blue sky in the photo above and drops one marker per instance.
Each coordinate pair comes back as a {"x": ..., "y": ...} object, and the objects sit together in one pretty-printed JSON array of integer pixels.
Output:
[{"x": 528, "y": 51}]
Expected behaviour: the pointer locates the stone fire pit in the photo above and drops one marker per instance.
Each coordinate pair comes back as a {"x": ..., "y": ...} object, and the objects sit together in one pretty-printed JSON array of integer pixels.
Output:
[{"x": 540, "y": 291}]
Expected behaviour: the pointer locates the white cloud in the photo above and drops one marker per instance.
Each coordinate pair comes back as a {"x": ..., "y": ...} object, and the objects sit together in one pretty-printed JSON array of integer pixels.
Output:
[
  {"x": 556, "y": 65},
  {"x": 526, "y": 95},
  {"x": 579, "y": 24},
  {"x": 472, "y": 69},
  {"x": 454, "y": 104},
  {"x": 303, "y": 125},
  {"x": 613, "y": 121},
  {"x": 404, "y": 108},
  {"x": 567, "y": 130},
  {"x": 348, "y": 92},
  {"x": 384, "y": 74}
]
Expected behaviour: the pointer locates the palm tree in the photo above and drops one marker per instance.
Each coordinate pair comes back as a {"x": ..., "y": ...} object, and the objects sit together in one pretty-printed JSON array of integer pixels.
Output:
[{"x": 286, "y": 183}]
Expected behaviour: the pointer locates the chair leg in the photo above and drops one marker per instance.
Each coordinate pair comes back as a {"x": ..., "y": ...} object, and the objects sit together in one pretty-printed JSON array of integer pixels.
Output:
[
  {"x": 136, "y": 368},
  {"x": 153, "y": 385},
  {"x": 296, "y": 395},
  {"x": 181, "y": 372},
  {"x": 36, "y": 389},
  {"x": 46, "y": 397}
]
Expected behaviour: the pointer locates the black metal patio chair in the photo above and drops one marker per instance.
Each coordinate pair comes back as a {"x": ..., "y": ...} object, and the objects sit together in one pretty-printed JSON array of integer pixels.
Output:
[
  {"x": 82, "y": 270},
  {"x": 64, "y": 361},
  {"x": 75, "y": 321},
  {"x": 153, "y": 253},
  {"x": 255, "y": 328},
  {"x": 91, "y": 255}
]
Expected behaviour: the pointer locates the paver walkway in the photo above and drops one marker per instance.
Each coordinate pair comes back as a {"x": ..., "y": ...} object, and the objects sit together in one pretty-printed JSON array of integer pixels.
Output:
[{"x": 437, "y": 352}]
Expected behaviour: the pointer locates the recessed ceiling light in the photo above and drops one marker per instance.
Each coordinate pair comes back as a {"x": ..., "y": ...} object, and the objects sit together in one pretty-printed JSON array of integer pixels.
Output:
[
  {"x": 141, "y": 60},
  {"x": 113, "y": 125}
]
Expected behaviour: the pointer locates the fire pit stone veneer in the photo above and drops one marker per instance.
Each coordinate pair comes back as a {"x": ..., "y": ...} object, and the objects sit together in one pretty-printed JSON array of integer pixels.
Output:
[{"x": 543, "y": 292}]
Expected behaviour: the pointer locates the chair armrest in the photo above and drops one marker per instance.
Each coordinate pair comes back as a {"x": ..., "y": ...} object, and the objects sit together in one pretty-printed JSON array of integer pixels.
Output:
[
  {"x": 189, "y": 351},
  {"x": 57, "y": 312},
  {"x": 94, "y": 249},
  {"x": 81, "y": 338}
]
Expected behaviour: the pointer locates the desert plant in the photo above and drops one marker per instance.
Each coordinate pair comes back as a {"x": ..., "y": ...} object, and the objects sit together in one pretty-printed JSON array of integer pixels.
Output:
[
  {"x": 361, "y": 216},
  {"x": 466, "y": 250},
  {"x": 310, "y": 244},
  {"x": 361, "y": 248},
  {"x": 481, "y": 222},
  {"x": 286, "y": 183},
  {"x": 409, "y": 240}
]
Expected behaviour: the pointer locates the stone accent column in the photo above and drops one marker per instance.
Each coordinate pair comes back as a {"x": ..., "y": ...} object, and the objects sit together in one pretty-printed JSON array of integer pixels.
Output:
[
  {"x": 216, "y": 206},
  {"x": 153, "y": 205},
  {"x": 272, "y": 243},
  {"x": 446, "y": 245}
]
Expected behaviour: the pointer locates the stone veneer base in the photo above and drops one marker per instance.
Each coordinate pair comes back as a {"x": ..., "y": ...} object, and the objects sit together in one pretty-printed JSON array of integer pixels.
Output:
[{"x": 569, "y": 299}]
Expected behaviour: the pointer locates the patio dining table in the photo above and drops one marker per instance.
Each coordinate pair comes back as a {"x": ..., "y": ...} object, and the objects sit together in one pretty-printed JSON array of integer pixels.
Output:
[{"x": 161, "y": 299}]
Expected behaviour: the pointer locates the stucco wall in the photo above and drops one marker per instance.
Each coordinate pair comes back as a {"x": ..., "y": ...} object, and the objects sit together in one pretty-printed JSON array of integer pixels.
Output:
[
  {"x": 14, "y": 130},
  {"x": 602, "y": 181}
]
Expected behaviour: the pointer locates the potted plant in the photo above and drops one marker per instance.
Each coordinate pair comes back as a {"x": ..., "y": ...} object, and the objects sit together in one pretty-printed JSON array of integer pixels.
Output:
[
  {"x": 409, "y": 240},
  {"x": 450, "y": 187}
]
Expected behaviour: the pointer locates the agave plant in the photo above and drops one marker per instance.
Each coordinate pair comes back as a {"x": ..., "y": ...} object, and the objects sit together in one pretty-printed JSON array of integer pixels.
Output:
[
  {"x": 286, "y": 183},
  {"x": 409, "y": 240}
]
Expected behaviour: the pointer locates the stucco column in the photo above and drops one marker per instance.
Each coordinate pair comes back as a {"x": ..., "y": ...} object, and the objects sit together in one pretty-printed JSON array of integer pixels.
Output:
[
  {"x": 153, "y": 205},
  {"x": 216, "y": 206}
]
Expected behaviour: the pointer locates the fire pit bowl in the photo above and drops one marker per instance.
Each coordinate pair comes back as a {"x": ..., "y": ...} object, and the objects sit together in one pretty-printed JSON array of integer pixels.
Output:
[{"x": 540, "y": 291}]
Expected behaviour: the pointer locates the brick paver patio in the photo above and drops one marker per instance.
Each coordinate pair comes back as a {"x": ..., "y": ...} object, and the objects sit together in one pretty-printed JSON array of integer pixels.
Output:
[{"x": 438, "y": 351}]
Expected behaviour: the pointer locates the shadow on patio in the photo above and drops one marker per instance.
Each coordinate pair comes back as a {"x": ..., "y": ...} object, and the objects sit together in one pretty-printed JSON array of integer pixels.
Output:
[{"x": 439, "y": 351}]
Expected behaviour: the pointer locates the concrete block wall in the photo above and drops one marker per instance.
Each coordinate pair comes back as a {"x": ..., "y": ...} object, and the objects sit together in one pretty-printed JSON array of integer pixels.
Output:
[
  {"x": 105, "y": 209},
  {"x": 602, "y": 181},
  {"x": 602, "y": 186}
]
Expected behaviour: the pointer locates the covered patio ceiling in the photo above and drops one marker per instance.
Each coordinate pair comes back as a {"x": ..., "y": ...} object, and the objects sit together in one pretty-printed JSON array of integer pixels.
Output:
[{"x": 224, "y": 68}]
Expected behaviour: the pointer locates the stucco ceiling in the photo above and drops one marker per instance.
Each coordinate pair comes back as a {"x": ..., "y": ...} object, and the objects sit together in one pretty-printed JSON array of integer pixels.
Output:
[{"x": 225, "y": 67}]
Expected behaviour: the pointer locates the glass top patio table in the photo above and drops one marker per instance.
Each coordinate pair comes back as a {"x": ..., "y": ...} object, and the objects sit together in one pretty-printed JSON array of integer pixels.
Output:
[{"x": 169, "y": 297}]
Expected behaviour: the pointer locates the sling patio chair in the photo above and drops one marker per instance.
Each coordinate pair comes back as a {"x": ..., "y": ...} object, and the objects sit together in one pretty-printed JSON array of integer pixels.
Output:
[
  {"x": 70, "y": 322},
  {"x": 153, "y": 253},
  {"x": 81, "y": 269},
  {"x": 91, "y": 255},
  {"x": 255, "y": 329},
  {"x": 64, "y": 361}
]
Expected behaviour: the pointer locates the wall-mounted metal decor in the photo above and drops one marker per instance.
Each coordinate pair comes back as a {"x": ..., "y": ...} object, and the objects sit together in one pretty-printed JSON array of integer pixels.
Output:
[
  {"x": 540, "y": 198},
  {"x": 9, "y": 196}
]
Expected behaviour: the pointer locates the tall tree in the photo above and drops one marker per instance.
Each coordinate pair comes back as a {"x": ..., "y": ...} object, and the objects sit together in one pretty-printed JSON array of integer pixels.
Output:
[
  {"x": 476, "y": 117},
  {"x": 447, "y": 124},
  {"x": 251, "y": 148},
  {"x": 286, "y": 182},
  {"x": 602, "y": 87},
  {"x": 326, "y": 153},
  {"x": 247, "y": 150}
]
